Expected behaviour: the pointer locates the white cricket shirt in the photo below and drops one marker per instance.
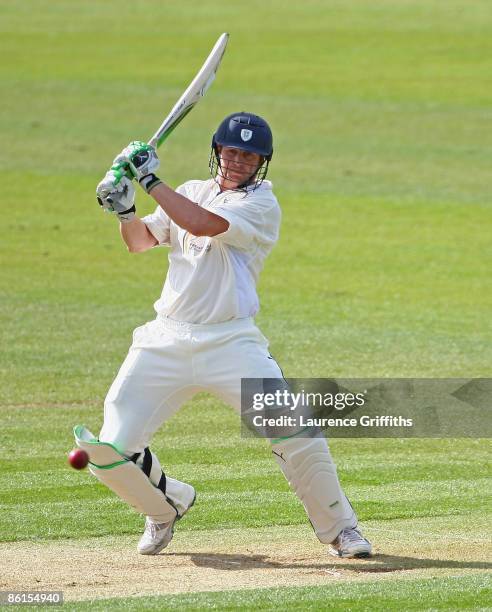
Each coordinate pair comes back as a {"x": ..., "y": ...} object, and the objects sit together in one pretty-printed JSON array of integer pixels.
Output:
[{"x": 211, "y": 280}]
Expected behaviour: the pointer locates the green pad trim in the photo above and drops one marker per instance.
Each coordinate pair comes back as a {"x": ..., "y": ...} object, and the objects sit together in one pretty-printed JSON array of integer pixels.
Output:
[
  {"x": 77, "y": 432},
  {"x": 108, "y": 467},
  {"x": 298, "y": 433}
]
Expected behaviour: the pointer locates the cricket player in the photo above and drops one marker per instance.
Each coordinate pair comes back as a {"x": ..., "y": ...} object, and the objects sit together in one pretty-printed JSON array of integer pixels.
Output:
[{"x": 219, "y": 232}]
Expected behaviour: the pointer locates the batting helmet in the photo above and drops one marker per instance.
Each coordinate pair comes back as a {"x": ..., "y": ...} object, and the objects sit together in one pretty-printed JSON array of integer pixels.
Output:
[{"x": 247, "y": 132}]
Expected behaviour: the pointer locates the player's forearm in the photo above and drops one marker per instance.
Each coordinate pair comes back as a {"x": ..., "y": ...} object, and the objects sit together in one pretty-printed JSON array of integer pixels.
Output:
[
  {"x": 137, "y": 236},
  {"x": 188, "y": 215}
]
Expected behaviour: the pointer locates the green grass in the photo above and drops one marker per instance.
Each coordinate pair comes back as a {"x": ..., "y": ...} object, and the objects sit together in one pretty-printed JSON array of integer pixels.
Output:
[
  {"x": 382, "y": 167},
  {"x": 455, "y": 593}
]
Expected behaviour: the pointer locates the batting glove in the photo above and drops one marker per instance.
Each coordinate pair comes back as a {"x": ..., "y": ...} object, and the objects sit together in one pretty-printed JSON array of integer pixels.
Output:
[
  {"x": 116, "y": 194},
  {"x": 140, "y": 160}
]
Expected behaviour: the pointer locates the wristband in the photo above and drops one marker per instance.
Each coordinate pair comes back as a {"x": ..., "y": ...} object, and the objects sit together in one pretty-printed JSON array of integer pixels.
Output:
[
  {"x": 149, "y": 181},
  {"x": 127, "y": 215}
]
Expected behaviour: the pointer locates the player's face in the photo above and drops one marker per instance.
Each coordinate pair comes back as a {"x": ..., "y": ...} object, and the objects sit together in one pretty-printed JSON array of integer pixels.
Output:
[{"x": 236, "y": 166}]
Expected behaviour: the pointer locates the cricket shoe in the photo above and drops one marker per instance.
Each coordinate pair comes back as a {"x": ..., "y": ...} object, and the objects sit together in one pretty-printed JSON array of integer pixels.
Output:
[
  {"x": 350, "y": 544},
  {"x": 158, "y": 535}
]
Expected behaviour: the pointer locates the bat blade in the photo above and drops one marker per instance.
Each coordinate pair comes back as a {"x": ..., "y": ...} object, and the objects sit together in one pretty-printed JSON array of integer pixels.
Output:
[{"x": 196, "y": 90}]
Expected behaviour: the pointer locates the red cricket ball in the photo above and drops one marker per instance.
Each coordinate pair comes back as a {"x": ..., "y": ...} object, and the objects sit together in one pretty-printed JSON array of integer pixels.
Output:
[{"x": 78, "y": 458}]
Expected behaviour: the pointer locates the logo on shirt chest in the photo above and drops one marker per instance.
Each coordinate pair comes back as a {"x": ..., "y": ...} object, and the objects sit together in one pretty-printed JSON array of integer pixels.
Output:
[{"x": 195, "y": 245}]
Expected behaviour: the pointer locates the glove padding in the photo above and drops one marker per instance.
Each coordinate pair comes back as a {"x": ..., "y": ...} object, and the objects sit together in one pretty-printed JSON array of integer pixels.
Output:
[
  {"x": 139, "y": 158},
  {"x": 116, "y": 194}
]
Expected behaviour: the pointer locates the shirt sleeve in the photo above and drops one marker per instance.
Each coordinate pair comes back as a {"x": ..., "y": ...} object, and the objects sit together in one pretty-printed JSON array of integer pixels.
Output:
[
  {"x": 158, "y": 223},
  {"x": 249, "y": 221}
]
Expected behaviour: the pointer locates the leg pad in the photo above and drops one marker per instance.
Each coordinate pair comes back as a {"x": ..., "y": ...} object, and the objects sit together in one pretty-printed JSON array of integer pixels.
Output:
[
  {"x": 124, "y": 478},
  {"x": 311, "y": 473}
]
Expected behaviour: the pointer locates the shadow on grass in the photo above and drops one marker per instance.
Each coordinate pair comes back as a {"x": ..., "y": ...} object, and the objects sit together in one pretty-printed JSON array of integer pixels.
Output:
[{"x": 378, "y": 563}]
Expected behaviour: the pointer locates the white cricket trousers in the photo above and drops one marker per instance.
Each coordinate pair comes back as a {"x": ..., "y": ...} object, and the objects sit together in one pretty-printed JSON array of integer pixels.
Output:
[{"x": 170, "y": 361}]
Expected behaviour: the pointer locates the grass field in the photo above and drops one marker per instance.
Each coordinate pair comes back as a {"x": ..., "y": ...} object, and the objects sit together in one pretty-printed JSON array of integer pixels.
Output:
[{"x": 381, "y": 115}]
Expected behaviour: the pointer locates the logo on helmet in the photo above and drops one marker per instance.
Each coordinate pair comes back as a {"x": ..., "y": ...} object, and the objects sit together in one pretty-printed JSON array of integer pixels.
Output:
[{"x": 246, "y": 135}]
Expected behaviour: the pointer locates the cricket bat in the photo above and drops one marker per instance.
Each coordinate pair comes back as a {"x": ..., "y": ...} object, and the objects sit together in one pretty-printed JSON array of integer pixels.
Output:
[{"x": 196, "y": 90}]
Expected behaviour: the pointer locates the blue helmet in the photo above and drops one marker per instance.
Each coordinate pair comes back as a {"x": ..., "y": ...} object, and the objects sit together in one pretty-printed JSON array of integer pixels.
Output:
[{"x": 247, "y": 132}]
